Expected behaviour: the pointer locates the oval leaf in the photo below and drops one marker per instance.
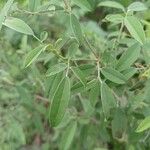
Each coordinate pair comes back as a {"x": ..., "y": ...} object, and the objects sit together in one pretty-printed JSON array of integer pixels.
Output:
[
  {"x": 18, "y": 25},
  {"x": 137, "y": 6},
  {"x": 113, "y": 75},
  {"x": 128, "y": 57},
  {"x": 144, "y": 125},
  {"x": 60, "y": 102},
  {"x": 135, "y": 28},
  {"x": 56, "y": 69},
  {"x": 32, "y": 55},
  {"x": 112, "y": 4}
]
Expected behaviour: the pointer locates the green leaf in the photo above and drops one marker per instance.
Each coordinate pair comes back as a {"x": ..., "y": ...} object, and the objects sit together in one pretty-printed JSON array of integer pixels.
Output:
[
  {"x": 135, "y": 28},
  {"x": 112, "y": 4},
  {"x": 79, "y": 87},
  {"x": 55, "y": 84},
  {"x": 137, "y": 6},
  {"x": 34, "y": 4},
  {"x": 119, "y": 123},
  {"x": 88, "y": 109},
  {"x": 68, "y": 135},
  {"x": 128, "y": 73},
  {"x": 84, "y": 4},
  {"x": 115, "y": 18},
  {"x": 51, "y": 84},
  {"x": 94, "y": 94},
  {"x": 113, "y": 75},
  {"x": 32, "y": 55},
  {"x": 128, "y": 57},
  {"x": 76, "y": 28},
  {"x": 56, "y": 69},
  {"x": 73, "y": 48},
  {"x": 60, "y": 102},
  {"x": 107, "y": 99},
  {"x": 18, "y": 25},
  {"x": 4, "y": 11},
  {"x": 79, "y": 74},
  {"x": 144, "y": 125}
]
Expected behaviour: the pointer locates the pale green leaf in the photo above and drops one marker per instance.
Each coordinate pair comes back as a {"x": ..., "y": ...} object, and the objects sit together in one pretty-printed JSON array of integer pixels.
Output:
[
  {"x": 60, "y": 102},
  {"x": 33, "y": 54},
  {"x": 56, "y": 69},
  {"x": 18, "y": 25},
  {"x": 113, "y": 75},
  {"x": 128, "y": 57},
  {"x": 144, "y": 125},
  {"x": 135, "y": 28},
  {"x": 4, "y": 11},
  {"x": 137, "y": 6},
  {"x": 112, "y": 4}
]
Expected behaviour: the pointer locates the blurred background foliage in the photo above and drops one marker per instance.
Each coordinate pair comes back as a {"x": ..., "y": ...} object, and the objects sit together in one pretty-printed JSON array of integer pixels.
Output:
[{"x": 24, "y": 100}]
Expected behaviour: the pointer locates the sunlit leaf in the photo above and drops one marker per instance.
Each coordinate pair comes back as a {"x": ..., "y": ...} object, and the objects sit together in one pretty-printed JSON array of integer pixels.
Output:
[
  {"x": 137, "y": 6},
  {"x": 144, "y": 125}
]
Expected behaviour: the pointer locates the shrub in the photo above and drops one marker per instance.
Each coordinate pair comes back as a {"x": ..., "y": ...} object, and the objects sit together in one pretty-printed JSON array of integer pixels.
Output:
[{"x": 74, "y": 75}]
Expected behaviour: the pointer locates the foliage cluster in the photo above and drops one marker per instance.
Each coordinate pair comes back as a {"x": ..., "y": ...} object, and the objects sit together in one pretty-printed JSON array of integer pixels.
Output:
[{"x": 74, "y": 75}]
